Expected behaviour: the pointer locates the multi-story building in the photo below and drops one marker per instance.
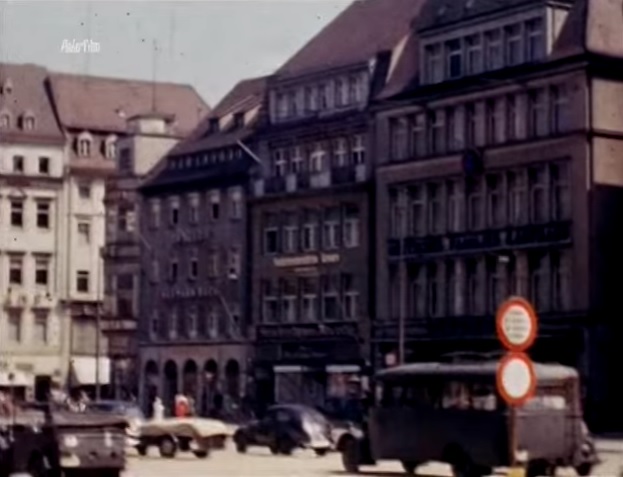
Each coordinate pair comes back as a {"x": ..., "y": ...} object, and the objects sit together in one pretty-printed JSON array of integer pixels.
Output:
[
  {"x": 194, "y": 292},
  {"x": 93, "y": 113},
  {"x": 148, "y": 138},
  {"x": 496, "y": 176},
  {"x": 311, "y": 210},
  {"x": 33, "y": 325}
]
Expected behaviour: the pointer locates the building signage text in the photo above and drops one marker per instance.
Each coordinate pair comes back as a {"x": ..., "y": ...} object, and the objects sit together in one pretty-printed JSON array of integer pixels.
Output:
[
  {"x": 314, "y": 331},
  {"x": 306, "y": 260}
]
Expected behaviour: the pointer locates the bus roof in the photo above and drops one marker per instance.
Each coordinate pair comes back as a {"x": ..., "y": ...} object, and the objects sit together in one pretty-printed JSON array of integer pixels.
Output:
[{"x": 544, "y": 372}]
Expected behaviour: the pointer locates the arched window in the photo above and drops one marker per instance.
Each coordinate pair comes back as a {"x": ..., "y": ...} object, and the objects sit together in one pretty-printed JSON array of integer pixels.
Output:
[
  {"x": 84, "y": 144},
  {"x": 7, "y": 87},
  {"x": 28, "y": 121},
  {"x": 5, "y": 120},
  {"x": 110, "y": 147}
]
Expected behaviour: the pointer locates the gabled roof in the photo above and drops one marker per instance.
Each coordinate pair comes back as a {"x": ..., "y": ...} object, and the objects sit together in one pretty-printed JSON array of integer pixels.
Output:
[
  {"x": 29, "y": 95},
  {"x": 592, "y": 26},
  {"x": 364, "y": 29},
  {"x": 245, "y": 98},
  {"x": 104, "y": 104}
]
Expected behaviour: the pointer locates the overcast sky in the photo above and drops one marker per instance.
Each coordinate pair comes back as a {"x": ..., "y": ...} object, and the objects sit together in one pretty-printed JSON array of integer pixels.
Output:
[{"x": 210, "y": 44}]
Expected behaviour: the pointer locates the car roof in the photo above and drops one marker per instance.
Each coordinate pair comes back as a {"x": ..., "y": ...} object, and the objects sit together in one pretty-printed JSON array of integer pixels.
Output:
[{"x": 544, "y": 372}]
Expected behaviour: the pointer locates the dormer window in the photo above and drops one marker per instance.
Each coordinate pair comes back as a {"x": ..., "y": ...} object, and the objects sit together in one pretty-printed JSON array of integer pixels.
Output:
[
  {"x": 311, "y": 99},
  {"x": 5, "y": 120},
  {"x": 354, "y": 88},
  {"x": 292, "y": 105},
  {"x": 110, "y": 147},
  {"x": 238, "y": 120},
  {"x": 535, "y": 40},
  {"x": 341, "y": 91},
  {"x": 513, "y": 45},
  {"x": 474, "y": 54},
  {"x": 434, "y": 66},
  {"x": 282, "y": 106},
  {"x": 454, "y": 58},
  {"x": 323, "y": 96},
  {"x": 7, "y": 87},
  {"x": 493, "y": 41},
  {"x": 214, "y": 125},
  {"x": 84, "y": 144},
  {"x": 28, "y": 121}
]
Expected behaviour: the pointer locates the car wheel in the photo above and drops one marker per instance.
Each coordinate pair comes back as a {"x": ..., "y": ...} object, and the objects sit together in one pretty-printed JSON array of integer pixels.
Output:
[
  {"x": 286, "y": 446},
  {"x": 409, "y": 467},
  {"x": 274, "y": 448},
  {"x": 202, "y": 454},
  {"x": 167, "y": 447},
  {"x": 350, "y": 456},
  {"x": 584, "y": 469},
  {"x": 142, "y": 450},
  {"x": 321, "y": 452},
  {"x": 241, "y": 443}
]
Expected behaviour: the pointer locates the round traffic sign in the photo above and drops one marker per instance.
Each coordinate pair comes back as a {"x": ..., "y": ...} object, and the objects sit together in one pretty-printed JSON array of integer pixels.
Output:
[
  {"x": 516, "y": 378},
  {"x": 516, "y": 324}
]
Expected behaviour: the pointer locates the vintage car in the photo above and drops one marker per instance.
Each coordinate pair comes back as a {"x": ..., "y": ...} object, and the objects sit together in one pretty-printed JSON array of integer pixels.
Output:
[
  {"x": 49, "y": 442},
  {"x": 284, "y": 428},
  {"x": 194, "y": 434},
  {"x": 129, "y": 410},
  {"x": 451, "y": 412}
]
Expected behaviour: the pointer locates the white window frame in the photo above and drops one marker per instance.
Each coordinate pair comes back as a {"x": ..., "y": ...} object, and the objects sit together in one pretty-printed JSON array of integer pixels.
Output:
[
  {"x": 434, "y": 63},
  {"x": 318, "y": 158},
  {"x": 535, "y": 37},
  {"x": 418, "y": 223},
  {"x": 351, "y": 235},
  {"x": 474, "y": 54},
  {"x": 16, "y": 263},
  {"x": 340, "y": 152},
  {"x": 15, "y": 321},
  {"x": 494, "y": 44},
  {"x": 452, "y": 53},
  {"x": 212, "y": 328},
  {"x": 358, "y": 150},
  {"x": 154, "y": 324},
  {"x": 297, "y": 160},
  {"x": 310, "y": 228},
  {"x": 174, "y": 324},
  {"x": 84, "y": 232},
  {"x": 42, "y": 263},
  {"x": 513, "y": 40},
  {"x": 17, "y": 210},
  {"x": 330, "y": 236},
  {"x": 309, "y": 314},
  {"x": 41, "y": 317}
]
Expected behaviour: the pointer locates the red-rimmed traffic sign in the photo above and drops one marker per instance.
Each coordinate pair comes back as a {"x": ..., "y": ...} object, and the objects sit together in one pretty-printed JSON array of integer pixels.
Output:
[
  {"x": 516, "y": 378},
  {"x": 516, "y": 324}
]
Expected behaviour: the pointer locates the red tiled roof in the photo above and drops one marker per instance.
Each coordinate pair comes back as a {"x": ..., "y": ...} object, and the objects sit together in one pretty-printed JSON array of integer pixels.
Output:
[
  {"x": 104, "y": 104},
  {"x": 594, "y": 26},
  {"x": 29, "y": 94},
  {"x": 364, "y": 29}
]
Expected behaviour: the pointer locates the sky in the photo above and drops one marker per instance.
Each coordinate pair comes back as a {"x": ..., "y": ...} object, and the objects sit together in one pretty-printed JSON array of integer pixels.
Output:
[{"x": 210, "y": 44}]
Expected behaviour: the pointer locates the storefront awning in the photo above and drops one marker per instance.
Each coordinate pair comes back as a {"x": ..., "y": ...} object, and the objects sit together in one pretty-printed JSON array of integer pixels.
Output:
[
  {"x": 343, "y": 368},
  {"x": 20, "y": 379},
  {"x": 84, "y": 371}
]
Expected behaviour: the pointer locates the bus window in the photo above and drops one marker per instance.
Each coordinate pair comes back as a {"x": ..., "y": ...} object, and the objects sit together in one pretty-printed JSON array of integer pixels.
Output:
[{"x": 548, "y": 398}]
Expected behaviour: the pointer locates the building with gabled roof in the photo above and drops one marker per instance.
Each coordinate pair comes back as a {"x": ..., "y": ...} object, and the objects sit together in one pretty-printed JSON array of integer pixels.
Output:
[
  {"x": 194, "y": 337},
  {"x": 497, "y": 167}
]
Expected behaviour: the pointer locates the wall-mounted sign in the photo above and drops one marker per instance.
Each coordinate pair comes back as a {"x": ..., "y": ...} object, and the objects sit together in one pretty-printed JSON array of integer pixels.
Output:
[
  {"x": 306, "y": 260},
  {"x": 293, "y": 332}
]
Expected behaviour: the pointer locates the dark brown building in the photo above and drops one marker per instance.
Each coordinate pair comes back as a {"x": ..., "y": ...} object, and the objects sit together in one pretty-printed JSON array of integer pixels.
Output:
[
  {"x": 311, "y": 211},
  {"x": 499, "y": 176}
]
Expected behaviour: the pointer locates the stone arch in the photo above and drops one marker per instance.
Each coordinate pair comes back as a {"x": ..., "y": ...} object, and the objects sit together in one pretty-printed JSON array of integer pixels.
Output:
[
  {"x": 150, "y": 386},
  {"x": 232, "y": 379},
  {"x": 171, "y": 379},
  {"x": 210, "y": 387},
  {"x": 190, "y": 377}
]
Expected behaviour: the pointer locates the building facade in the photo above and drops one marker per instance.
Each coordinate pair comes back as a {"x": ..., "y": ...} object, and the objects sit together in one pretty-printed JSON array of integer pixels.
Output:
[
  {"x": 494, "y": 179},
  {"x": 312, "y": 209},
  {"x": 33, "y": 323},
  {"x": 194, "y": 335}
]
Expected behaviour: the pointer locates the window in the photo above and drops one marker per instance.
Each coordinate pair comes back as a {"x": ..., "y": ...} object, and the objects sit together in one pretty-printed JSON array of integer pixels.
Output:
[
  {"x": 282, "y": 106},
  {"x": 330, "y": 300},
  {"x": 340, "y": 153},
  {"x": 537, "y": 114},
  {"x": 397, "y": 224},
  {"x": 110, "y": 147},
  {"x": 154, "y": 328},
  {"x": 354, "y": 90},
  {"x": 310, "y": 232},
  {"x": 42, "y": 271},
  {"x": 290, "y": 234},
  {"x": 399, "y": 139},
  {"x": 154, "y": 219},
  {"x": 358, "y": 150},
  {"x": 434, "y": 298},
  {"x": 17, "y": 213},
  {"x": 235, "y": 205},
  {"x": 561, "y": 280},
  {"x": 44, "y": 165},
  {"x": 474, "y": 288},
  {"x": 493, "y": 41},
  {"x": 535, "y": 40},
  {"x": 418, "y": 292},
  {"x": 475, "y": 210},
  {"x": 434, "y": 66},
  {"x": 494, "y": 122},
  {"x": 517, "y": 197},
  {"x": 330, "y": 227},
  {"x": 350, "y": 301},
  {"x": 311, "y": 99},
  {"x": 561, "y": 193},
  {"x": 435, "y": 209},
  {"x": 317, "y": 158},
  {"x": 438, "y": 138},
  {"x": 270, "y": 312},
  {"x": 497, "y": 291},
  {"x": 173, "y": 270},
  {"x": 309, "y": 293},
  {"x": 452, "y": 299},
  {"x": 82, "y": 281},
  {"x": 215, "y": 205},
  {"x": 474, "y": 54},
  {"x": 513, "y": 45},
  {"x": 155, "y": 271},
  {"x": 351, "y": 227},
  {"x": 84, "y": 233},
  {"x": 511, "y": 117},
  {"x": 560, "y": 109},
  {"x": 419, "y": 135},
  {"x": 271, "y": 240},
  {"x": 193, "y": 209},
  {"x": 84, "y": 147},
  {"x": 40, "y": 328},
  {"x": 495, "y": 201},
  {"x": 193, "y": 267},
  {"x": 15, "y": 270},
  {"x": 470, "y": 125},
  {"x": 279, "y": 163},
  {"x": 454, "y": 206},
  {"x": 288, "y": 301},
  {"x": 15, "y": 326},
  {"x": 191, "y": 322},
  {"x": 213, "y": 263},
  {"x": 292, "y": 104},
  {"x": 174, "y": 212},
  {"x": 341, "y": 92},
  {"x": 418, "y": 211},
  {"x": 234, "y": 263},
  {"x": 212, "y": 324},
  {"x": 43, "y": 215},
  {"x": 454, "y": 59},
  {"x": 451, "y": 136},
  {"x": 538, "y": 194},
  {"x": 5, "y": 121},
  {"x": 18, "y": 164},
  {"x": 297, "y": 162},
  {"x": 84, "y": 191},
  {"x": 28, "y": 123},
  {"x": 323, "y": 96},
  {"x": 173, "y": 324},
  {"x": 539, "y": 281}
]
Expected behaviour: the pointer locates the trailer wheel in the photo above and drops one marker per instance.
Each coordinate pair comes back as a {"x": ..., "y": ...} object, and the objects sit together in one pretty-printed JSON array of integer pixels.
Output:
[{"x": 167, "y": 447}]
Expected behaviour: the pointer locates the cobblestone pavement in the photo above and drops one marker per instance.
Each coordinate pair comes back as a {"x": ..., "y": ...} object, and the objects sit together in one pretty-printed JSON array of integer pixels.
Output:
[{"x": 260, "y": 463}]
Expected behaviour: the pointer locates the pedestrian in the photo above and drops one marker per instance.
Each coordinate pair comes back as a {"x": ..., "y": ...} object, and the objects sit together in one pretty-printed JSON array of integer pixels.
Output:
[{"x": 158, "y": 409}]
